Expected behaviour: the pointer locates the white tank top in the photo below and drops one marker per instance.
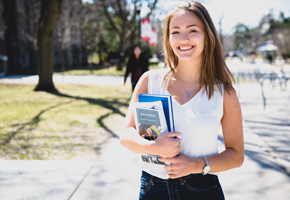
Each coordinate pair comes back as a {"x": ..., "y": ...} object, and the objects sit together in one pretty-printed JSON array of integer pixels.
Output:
[{"x": 198, "y": 120}]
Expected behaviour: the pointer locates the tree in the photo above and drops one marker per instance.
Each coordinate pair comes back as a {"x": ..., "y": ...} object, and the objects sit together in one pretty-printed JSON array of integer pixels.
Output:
[
  {"x": 122, "y": 19},
  {"x": 281, "y": 35},
  {"x": 94, "y": 32},
  {"x": 49, "y": 15},
  {"x": 70, "y": 42},
  {"x": 241, "y": 36},
  {"x": 274, "y": 30}
]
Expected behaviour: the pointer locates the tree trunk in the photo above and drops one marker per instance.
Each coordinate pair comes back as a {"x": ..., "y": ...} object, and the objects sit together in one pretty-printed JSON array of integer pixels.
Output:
[
  {"x": 101, "y": 44},
  {"x": 122, "y": 53},
  {"x": 49, "y": 15}
]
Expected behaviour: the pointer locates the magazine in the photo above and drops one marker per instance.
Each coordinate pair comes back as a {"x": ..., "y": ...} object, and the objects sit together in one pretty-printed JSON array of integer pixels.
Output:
[{"x": 150, "y": 122}]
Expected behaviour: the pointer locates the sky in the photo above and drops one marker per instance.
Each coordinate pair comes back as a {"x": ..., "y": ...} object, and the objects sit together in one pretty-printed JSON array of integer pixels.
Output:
[{"x": 248, "y": 12}]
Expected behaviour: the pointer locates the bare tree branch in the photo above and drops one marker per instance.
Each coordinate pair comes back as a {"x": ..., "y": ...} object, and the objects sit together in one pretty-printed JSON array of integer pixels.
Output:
[
  {"x": 122, "y": 10},
  {"x": 152, "y": 8},
  {"x": 111, "y": 21}
]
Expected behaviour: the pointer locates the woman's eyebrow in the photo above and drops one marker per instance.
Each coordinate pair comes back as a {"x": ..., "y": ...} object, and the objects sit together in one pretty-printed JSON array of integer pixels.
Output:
[
  {"x": 191, "y": 25},
  {"x": 177, "y": 27}
]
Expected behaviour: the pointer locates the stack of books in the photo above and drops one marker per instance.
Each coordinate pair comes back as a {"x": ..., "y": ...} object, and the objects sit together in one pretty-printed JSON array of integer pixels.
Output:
[{"x": 153, "y": 116}]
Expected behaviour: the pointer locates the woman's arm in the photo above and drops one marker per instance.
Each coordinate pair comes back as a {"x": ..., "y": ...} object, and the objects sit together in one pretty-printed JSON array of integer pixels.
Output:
[
  {"x": 232, "y": 127},
  {"x": 164, "y": 145},
  {"x": 232, "y": 157}
]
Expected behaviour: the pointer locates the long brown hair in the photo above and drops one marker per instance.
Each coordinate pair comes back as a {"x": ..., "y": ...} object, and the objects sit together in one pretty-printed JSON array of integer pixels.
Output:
[{"x": 214, "y": 70}]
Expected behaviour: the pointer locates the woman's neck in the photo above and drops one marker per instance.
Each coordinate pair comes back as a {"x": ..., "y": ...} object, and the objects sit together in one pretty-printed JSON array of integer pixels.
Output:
[{"x": 189, "y": 71}]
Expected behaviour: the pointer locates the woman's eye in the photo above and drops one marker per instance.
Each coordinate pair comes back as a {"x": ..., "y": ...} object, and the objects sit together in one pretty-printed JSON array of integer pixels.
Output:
[
  {"x": 174, "y": 33},
  {"x": 193, "y": 31}
]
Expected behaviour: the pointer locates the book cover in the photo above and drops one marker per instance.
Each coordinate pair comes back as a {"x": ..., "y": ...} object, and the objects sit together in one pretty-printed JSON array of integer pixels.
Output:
[
  {"x": 167, "y": 106},
  {"x": 150, "y": 122},
  {"x": 150, "y": 119}
]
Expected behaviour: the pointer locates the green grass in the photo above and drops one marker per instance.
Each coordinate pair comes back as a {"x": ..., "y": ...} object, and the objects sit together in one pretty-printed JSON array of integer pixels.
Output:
[
  {"x": 112, "y": 71},
  {"x": 94, "y": 71},
  {"x": 73, "y": 123}
]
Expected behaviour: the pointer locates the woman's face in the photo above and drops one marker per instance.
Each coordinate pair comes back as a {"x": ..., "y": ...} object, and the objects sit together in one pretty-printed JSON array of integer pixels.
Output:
[
  {"x": 137, "y": 51},
  {"x": 186, "y": 36}
]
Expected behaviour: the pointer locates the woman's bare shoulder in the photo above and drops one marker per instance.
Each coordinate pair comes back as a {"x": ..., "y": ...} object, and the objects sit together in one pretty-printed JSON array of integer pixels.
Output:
[{"x": 231, "y": 100}]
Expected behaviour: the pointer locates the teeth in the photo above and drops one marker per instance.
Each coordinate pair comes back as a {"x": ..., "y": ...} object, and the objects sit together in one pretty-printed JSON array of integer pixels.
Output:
[{"x": 185, "y": 48}]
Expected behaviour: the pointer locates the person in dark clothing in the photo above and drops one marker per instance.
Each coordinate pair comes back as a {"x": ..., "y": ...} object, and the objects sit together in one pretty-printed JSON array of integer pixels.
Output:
[
  {"x": 136, "y": 66},
  {"x": 270, "y": 58}
]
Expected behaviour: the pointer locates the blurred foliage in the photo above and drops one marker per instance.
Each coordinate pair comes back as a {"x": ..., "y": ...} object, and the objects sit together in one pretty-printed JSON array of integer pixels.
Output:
[{"x": 276, "y": 31}]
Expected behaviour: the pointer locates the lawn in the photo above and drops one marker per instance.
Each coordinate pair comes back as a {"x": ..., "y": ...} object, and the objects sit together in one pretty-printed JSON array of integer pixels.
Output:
[
  {"x": 74, "y": 123},
  {"x": 97, "y": 71},
  {"x": 112, "y": 71}
]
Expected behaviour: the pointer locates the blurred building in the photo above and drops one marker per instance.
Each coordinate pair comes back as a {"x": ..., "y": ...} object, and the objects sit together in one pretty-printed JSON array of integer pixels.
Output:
[
  {"x": 18, "y": 38},
  {"x": 18, "y": 35},
  {"x": 2, "y": 31}
]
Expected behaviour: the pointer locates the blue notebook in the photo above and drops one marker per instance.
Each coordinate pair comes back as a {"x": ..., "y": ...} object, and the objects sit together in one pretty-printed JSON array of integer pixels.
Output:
[{"x": 167, "y": 106}]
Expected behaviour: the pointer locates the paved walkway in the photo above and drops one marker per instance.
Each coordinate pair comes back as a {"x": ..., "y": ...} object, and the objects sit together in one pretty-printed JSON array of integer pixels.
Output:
[
  {"x": 116, "y": 174},
  {"x": 66, "y": 79}
]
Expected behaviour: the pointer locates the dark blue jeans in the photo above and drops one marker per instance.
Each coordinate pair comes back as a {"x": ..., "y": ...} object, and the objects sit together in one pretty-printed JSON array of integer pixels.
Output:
[{"x": 194, "y": 186}]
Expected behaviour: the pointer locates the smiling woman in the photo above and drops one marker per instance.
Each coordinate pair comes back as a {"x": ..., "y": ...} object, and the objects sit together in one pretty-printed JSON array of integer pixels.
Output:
[
  {"x": 200, "y": 84},
  {"x": 186, "y": 36}
]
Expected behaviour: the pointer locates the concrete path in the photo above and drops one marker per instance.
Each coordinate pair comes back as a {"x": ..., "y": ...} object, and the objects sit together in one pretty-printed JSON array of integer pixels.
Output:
[
  {"x": 45, "y": 180},
  {"x": 116, "y": 174},
  {"x": 66, "y": 79},
  {"x": 266, "y": 170}
]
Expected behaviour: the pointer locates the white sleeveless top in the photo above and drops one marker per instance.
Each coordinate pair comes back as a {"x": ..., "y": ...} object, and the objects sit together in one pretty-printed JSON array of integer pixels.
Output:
[{"x": 198, "y": 120}]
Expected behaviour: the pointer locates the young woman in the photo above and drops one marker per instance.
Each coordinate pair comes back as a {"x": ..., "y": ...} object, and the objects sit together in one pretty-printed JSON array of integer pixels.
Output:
[
  {"x": 203, "y": 99},
  {"x": 137, "y": 65}
]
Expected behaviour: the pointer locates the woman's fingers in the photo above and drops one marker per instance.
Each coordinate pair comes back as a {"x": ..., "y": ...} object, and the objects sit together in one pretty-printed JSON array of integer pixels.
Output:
[
  {"x": 173, "y": 134},
  {"x": 168, "y": 146}
]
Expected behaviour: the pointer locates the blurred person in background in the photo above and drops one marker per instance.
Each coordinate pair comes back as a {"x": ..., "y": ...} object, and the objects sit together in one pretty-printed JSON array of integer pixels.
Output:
[{"x": 136, "y": 66}]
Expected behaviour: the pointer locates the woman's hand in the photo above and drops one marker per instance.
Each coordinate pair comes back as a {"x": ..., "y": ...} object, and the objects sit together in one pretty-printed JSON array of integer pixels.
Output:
[
  {"x": 168, "y": 144},
  {"x": 182, "y": 165}
]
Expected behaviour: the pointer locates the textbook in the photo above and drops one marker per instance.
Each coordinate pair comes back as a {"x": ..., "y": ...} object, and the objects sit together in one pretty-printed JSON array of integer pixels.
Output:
[
  {"x": 150, "y": 119},
  {"x": 150, "y": 122},
  {"x": 153, "y": 116},
  {"x": 167, "y": 106}
]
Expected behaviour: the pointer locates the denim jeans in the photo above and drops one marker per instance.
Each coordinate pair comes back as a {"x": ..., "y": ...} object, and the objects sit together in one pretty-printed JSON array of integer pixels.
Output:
[{"x": 194, "y": 186}]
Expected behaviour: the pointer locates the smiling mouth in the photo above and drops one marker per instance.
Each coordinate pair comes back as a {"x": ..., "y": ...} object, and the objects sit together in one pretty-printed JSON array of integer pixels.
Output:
[{"x": 185, "y": 48}]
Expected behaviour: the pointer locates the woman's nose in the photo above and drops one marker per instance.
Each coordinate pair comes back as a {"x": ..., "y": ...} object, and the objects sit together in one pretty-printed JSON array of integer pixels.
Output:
[{"x": 183, "y": 37}]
